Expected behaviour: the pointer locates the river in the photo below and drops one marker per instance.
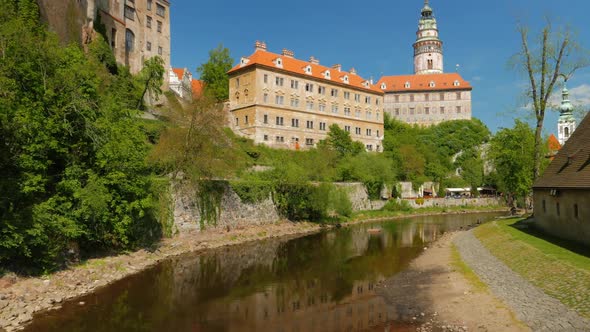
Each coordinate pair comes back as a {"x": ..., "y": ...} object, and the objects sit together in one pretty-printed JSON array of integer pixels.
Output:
[{"x": 320, "y": 282}]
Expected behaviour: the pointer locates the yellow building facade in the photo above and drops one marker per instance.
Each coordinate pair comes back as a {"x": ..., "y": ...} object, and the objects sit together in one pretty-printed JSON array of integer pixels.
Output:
[{"x": 284, "y": 102}]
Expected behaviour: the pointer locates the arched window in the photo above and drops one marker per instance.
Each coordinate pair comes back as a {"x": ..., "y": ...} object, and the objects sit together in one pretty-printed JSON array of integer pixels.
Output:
[
  {"x": 567, "y": 132},
  {"x": 129, "y": 40},
  {"x": 430, "y": 65}
]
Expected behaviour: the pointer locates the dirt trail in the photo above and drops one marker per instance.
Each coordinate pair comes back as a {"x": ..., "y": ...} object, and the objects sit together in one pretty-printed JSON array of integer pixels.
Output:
[{"x": 438, "y": 298}]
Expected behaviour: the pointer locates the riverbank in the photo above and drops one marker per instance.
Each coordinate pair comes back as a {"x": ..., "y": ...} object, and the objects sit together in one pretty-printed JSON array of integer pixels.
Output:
[
  {"x": 21, "y": 298},
  {"x": 439, "y": 293}
]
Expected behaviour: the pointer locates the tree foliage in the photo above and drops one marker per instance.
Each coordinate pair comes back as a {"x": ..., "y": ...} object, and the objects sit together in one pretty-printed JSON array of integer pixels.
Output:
[{"x": 214, "y": 73}]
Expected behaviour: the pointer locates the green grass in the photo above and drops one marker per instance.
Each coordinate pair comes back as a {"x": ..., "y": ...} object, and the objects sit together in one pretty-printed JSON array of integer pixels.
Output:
[
  {"x": 466, "y": 271},
  {"x": 559, "y": 272}
]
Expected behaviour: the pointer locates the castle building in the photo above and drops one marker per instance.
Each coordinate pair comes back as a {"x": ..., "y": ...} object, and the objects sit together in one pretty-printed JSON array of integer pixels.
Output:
[
  {"x": 136, "y": 30},
  {"x": 283, "y": 102},
  {"x": 182, "y": 83},
  {"x": 430, "y": 96},
  {"x": 566, "y": 123}
]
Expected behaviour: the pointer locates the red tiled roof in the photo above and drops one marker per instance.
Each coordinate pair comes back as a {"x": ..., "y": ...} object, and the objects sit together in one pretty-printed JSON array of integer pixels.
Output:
[
  {"x": 422, "y": 82},
  {"x": 553, "y": 143},
  {"x": 570, "y": 169},
  {"x": 197, "y": 87},
  {"x": 297, "y": 66},
  {"x": 179, "y": 72}
]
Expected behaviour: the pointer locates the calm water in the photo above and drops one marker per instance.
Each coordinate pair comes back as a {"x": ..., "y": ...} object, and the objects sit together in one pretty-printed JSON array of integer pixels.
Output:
[{"x": 322, "y": 282}]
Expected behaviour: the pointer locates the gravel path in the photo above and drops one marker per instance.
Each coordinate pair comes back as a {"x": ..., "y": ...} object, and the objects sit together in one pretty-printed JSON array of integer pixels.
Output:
[{"x": 531, "y": 305}]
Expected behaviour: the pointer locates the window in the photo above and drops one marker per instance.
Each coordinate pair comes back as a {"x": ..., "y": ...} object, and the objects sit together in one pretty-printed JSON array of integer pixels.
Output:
[
  {"x": 427, "y": 110},
  {"x": 430, "y": 64},
  {"x": 576, "y": 211},
  {"x": 368, "y": 115},
  {"x": 411, "y": 97},
  {"x": 129, "y": 40},
  {"x": 322, "y": 108},
  {"x": 294, "y": 84},
  {"x": 160, "y": 50},
  {"x": 397, "y": 111},
  {"x": 309, "y": 105},
  {"x": 280, "y": 139},
  {"x": 456, "y": 83},
  {"x": 265, "y": 118},
  {"x": 442, "y": 110},
  {"x": 377, "y": 101},
  {"x": 237, "y": 122},
  {"x": 357, "y": 97},
  {"x": 458, "y": 95},
  {"x": 160, "y": 10},
  {"x": 357, "y": 113},
  {"x": 369, "y": 148},
  {"x": 309, "y": 124},
  {"x": 308, "y": 87},
  {"x": 159, "y": 26},
  {"x": 129, "y": 13},
  {"x": 294, "y": 102},
  {"x": 407, "y": 85},
  {"x": 411, "y": 111},
  {"x": 378, "y": 133},
  {"x": 323, "y": 126},
  {"x": 458, "y": 109},
  {"x": 246, "y": 119},
  {"x": 368, "y": 132},
  {"x": 279, "y": 121},
  {"x": 334, "y": 93},
  {"x": 357, "y": 130},
  {"x": 347, "y": 111},
  {"x": 279, "y": 81},
  {"x": 426, "y": 97},
  {"x": 113, "y": 38},
  {"x": 148, "y": 46},
  {"x": 557, "y": 208},
  {"x": 442, "y": 96},
  {"x": 367, "y": 100},
  {"x": 396, "y": 98},
  {"x": 346, "y": 95},
  {"x": 309, "y": 141},
  {"x": 149, "y": 4},
  {"x": 279, "y": 100},
  {"x": 347, "y": 129},
  {"x": 148, "y": 22},
  {"x": 295, "y": 123},
  {"x": 265, "y": 78},
  {"x": 335, "y": 109},
  {"x": 266, "y": 137},
  {"x": 566, "y": 132},
  {"x": 237, "y": 83},
  {"x": 322, "y": 90},
  {"x": 265, "y": 98}
]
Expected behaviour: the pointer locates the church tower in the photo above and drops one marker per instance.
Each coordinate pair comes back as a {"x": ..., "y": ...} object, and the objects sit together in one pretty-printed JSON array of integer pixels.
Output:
[
  {"x": 428, "y": 48},
  {"x": 566, "y": 123}
]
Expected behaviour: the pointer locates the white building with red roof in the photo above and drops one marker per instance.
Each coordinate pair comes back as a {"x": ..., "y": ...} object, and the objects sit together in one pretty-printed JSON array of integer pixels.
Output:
[
  {"x": 430, "y": 96},
  {"x": 283, "y": 102},
  {"x": 182, "y": 83}
]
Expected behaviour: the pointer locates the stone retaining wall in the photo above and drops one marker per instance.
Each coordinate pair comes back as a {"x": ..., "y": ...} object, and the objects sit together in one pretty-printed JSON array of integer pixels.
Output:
[{"x": 449, "y": 202}]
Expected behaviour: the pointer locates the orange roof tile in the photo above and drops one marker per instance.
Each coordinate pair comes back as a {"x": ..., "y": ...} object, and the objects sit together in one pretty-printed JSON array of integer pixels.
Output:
[
  {"x": 296, "y": 66},
  {"x": 553, "y": 143},
  {"x": 197, "y": 87},
  {"x": 179, "y": 72},
  {"x": 423, "y": 82}
]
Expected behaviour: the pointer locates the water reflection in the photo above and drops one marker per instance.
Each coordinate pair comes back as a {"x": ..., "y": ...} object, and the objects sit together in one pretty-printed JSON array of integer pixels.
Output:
[{"x": 322, "y": 282}]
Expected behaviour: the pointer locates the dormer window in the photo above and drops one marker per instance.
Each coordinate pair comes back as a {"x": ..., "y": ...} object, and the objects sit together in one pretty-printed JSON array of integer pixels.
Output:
[
  {"x": 431, "y": 84},
  {"x": 407, "y": 85},
  {"x": 327, "y": 74},
  {"x": 279, "y": 63},
  {"x": 366, "y": 84},
  {"x": 456, "y": 83},
  {"x": 244, "y": 61},
  {"x": 383, "y": 86},
  {"x": 308, "y": 69},
  {"x": 345, "y": 79}
]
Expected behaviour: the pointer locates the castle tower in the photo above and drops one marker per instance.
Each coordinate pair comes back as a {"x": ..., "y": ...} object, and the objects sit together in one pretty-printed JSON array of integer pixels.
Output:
[
  {"x": 566, "y": 123},
  {"x": 428, "y": 48}
]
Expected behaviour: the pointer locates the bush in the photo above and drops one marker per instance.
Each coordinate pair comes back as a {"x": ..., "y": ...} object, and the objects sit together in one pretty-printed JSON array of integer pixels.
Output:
[
  {"x": 340, "y": 202},
  {"x": 251, "y": 192},
  {"x": 397, "y": 205}
]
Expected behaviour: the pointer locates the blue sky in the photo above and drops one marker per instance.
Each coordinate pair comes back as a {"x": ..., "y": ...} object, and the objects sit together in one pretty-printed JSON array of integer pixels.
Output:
[{"x": 376, "y": 37}]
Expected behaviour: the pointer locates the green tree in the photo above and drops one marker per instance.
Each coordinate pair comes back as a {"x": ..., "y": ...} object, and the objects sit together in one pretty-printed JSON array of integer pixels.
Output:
[
  {"x": 555, "y": 55},
  {"x": 340, "y": 141},
  {"x": 214, "y": 73},
  {"x": 151, "y": 78}
]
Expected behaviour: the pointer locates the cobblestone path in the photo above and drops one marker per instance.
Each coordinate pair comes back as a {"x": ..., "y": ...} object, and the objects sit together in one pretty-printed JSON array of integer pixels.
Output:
[{"x": 531, "y": 305}]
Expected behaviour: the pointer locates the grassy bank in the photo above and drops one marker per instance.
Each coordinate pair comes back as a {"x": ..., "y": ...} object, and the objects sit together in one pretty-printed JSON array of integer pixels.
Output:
[
  {"x": 544, "y": 262},
  {"x": 383, "y": 214}
]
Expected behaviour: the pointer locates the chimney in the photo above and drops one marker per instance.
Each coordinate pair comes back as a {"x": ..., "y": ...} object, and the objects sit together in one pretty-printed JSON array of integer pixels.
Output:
[
  {"x": 338, "y": 67},
  {"x": 260, "y": 46},
  {"x": 353, "y": 71},
  {"x": 313, "y": 60},
  {"x": 288, "y": 53}
]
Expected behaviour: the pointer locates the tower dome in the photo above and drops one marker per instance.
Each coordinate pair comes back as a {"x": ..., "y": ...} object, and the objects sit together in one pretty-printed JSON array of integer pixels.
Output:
[
  {"x": 428, "y": 51},
  {"x": 567, "y": 122}
]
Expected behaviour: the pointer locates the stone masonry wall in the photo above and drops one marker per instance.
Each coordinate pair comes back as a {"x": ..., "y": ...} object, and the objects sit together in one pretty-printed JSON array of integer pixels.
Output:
[
  {"x": 359, "y": 197},
  {"x": 449, "y": 202}
]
